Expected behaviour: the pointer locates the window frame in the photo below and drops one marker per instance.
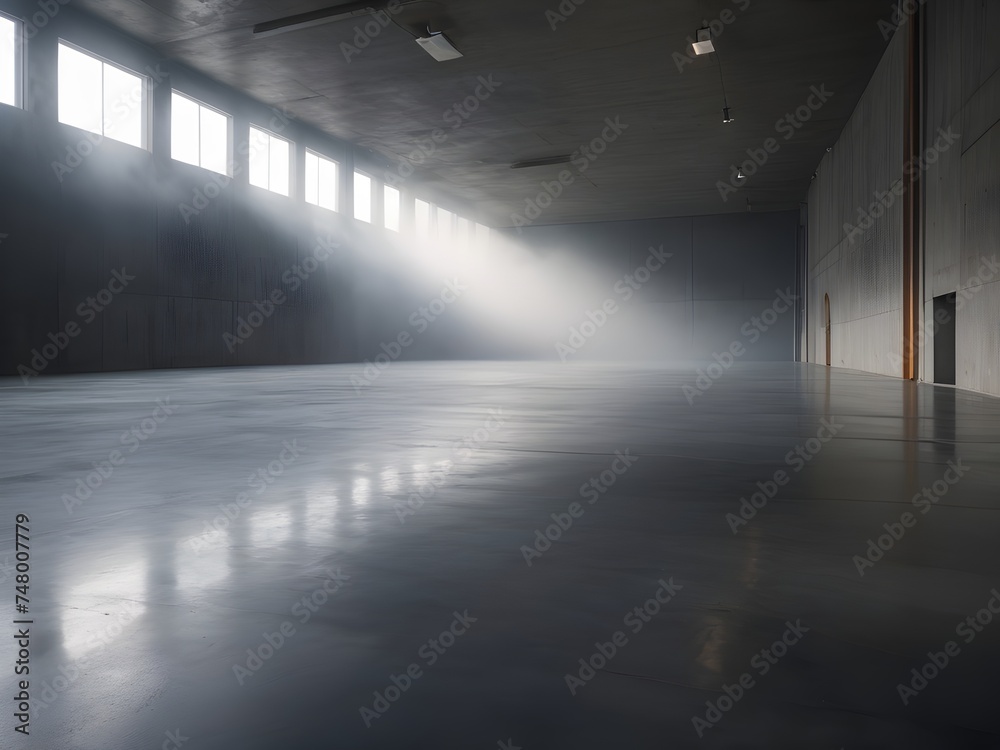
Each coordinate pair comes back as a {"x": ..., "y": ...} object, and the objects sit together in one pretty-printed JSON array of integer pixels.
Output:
[
  {"x": 371, "y": 195},
  {"x": 145, "y": 109},
  {"x": 291, "y": 159},
  {"x": 19, "y": 45},
  {"x": 428, "y": 231},
  {"x": 230, "y": 168},
  {"x": 337, "y": 199},
  {"x": 386, "y": 187},
  {"x": 451, "y": 218}
]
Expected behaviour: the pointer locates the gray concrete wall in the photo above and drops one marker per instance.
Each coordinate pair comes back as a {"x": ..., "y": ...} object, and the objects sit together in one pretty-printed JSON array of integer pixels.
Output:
[
  {"x": 862, "y": 270},
  {"x": 724, "y": 272},
  {"x": 960, "y": 174},
  {"x": 963, "y": 186}
]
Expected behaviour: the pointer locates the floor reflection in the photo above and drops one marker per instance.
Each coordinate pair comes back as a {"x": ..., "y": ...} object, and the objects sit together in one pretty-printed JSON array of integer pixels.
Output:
[{"x": 103, "y": 604}]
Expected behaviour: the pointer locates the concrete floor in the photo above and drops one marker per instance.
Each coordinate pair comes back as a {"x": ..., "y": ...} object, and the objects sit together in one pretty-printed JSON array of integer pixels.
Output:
[{"x": 140, "y": 614}]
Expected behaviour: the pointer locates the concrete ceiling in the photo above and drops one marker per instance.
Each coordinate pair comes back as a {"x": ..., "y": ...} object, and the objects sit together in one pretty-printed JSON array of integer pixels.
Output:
[{"x": 556, "y": 88}]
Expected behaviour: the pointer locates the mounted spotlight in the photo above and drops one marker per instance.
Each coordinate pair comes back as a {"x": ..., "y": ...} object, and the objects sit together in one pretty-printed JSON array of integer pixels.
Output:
[
  {"x": 727, "y": 117},
  {"x": 438, "y": 46},
  {"x": 704, "y": 44},
  {"x": 740, "y": 174}
]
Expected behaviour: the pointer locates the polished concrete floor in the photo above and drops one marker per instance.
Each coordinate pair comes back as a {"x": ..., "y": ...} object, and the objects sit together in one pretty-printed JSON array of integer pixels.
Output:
[{"x": 366, "y": 583}]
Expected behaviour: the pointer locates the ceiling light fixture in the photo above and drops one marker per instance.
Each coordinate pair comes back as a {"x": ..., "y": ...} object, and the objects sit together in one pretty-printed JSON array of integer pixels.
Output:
[
  {"x": 543, "y": 162},
  {"x": 727, "y": 116},
  {"x": 317, "y": 17},
  {"x": 438, "y": 46},
  {"x": 704, "y": 44}
]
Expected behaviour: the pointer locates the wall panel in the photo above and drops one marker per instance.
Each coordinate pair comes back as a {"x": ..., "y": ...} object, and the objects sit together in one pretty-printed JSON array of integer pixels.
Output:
[
  {"x": 725, "y": 271},
  {"x": 861, "y": 270},
  {"x": 963, "y": 188}
]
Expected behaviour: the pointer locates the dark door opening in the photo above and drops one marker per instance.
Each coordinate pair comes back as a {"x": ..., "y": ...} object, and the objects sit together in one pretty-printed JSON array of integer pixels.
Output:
[{"x": 944, "y": 339}]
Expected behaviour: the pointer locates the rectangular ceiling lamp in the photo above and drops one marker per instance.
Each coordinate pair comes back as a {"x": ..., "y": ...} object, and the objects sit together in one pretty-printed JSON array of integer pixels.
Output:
[
  {"x": 704, "y": 44},
  {"x": 438, "y": 47},
  {"x": 317, "y": 17}
]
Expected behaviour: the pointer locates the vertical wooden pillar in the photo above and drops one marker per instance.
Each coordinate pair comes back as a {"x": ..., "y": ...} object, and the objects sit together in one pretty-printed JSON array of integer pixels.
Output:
[{"x": 911, "y": 201}]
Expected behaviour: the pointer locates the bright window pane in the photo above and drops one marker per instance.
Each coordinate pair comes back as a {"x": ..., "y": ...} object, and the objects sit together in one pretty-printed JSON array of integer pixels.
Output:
[
  {"x": 328, "y": 184},
  {"x": 101, "y": 98},
  {"x": 259, "y": 157},
  {"x": 214, "y": 140},
  {"x": 9, "y": 61},
  {"x": 444, "y": 224},
  {"x": 462, "y": 230},
  {"x": 312, "y": 179},
  {"x": 184, "y": 129},
  {"x": 81, "y": 86},
  {"x": 362, "y": 197},
  {"x": 199, "y": 135},
  {"x": 321, "y": 181},
  {"x": 391, "y": 202},
  {"x": 422, "y": 217},
  {"x": 279, "y": 170},
  {"x": 124, "y": 97}
]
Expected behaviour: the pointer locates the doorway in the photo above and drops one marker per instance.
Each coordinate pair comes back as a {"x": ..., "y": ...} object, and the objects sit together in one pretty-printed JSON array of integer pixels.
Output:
[{"x": 944, "y": 339}]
